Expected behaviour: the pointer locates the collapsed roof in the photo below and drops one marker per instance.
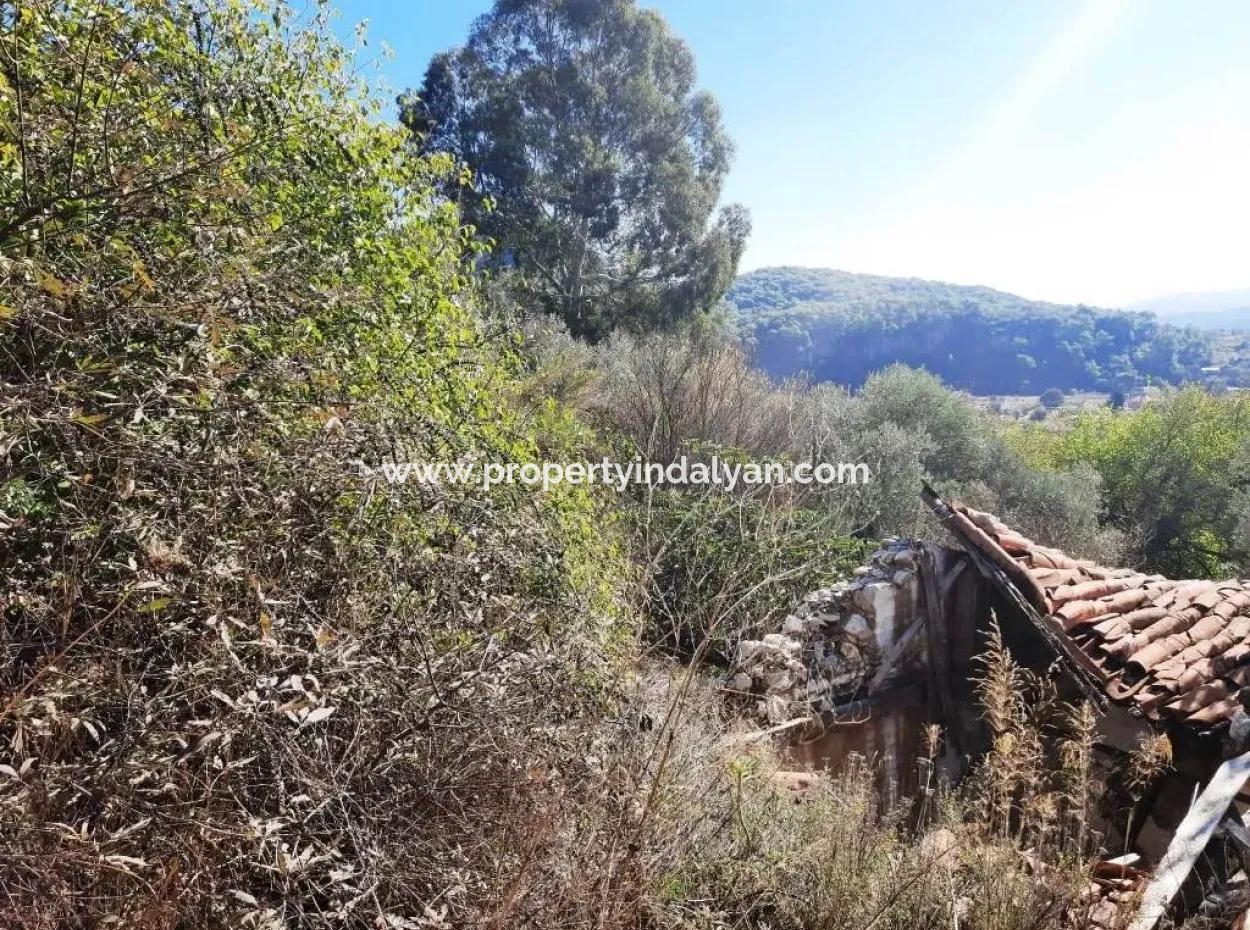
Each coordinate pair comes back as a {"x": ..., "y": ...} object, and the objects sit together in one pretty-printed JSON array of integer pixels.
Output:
[{"x": 1173, "y": 650}]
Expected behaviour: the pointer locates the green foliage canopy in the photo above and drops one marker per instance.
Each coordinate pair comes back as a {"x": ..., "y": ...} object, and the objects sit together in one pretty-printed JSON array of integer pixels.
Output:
[
  {"x": 597, "y": 163},
  {"x": 1175, "y": 476}
]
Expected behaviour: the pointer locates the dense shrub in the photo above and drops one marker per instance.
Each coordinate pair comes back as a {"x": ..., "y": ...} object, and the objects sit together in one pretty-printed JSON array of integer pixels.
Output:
[
  {"x": 1173, "y": 474},
  {"x": 668, "y": 392},
  {"x": 833, "y": 425},
  {"x": 245, "y": 684},
  {"x": 722, "y": 567},
  {"x": 910, "y": 429}
]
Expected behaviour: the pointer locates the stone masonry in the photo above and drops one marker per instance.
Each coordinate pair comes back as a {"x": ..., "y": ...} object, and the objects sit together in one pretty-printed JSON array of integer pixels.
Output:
[{"x": 830, "y": 649}]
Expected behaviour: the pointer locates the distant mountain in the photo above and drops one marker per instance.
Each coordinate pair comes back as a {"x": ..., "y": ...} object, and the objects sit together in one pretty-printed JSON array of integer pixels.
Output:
[
  {"x": 1211, "y": 310},
  {"x": 838, "y": 326}
]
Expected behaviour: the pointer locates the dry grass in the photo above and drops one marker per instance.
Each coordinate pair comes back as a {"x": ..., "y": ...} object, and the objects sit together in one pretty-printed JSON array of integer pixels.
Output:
[
  {"x": 694, "y": 831},
  {"x": 738, "y": 851}
]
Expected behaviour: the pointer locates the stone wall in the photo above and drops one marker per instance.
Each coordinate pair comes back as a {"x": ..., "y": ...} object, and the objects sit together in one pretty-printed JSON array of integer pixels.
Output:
[{"x": 832, "y": 647}]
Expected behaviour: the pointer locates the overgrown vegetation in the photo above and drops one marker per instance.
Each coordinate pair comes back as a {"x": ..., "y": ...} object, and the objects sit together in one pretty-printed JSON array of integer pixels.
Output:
[
  {"x": 1008, "y": 849},
  {"x": 1175, "y": 474},
  {"x": 244, "y": 686},
  {"x": 247, "y": 684},
  {"x": 722, "y": 568},
  {"x": 695, "y": 393}
]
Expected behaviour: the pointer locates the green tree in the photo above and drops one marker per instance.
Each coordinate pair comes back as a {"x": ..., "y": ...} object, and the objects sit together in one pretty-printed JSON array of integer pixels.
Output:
[
  {"x": 1051, "y": 398},
  {"x": 917, "y": 401},
  {"x": 1174, "y": 477},
  {"x": 598, "y": 164}
]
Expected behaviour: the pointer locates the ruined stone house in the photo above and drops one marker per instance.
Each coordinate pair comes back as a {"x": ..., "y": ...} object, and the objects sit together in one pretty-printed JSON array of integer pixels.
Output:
[{"x": 1152, "y": 655}]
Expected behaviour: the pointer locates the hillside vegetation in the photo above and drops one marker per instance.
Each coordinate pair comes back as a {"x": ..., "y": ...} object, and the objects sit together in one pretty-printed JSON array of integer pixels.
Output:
[
  {"x": 246, "y": 683},
  {"x": 841, "y": 327}
]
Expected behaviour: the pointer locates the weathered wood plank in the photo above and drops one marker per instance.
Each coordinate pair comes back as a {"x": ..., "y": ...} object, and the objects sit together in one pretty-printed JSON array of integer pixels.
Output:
[
  {"x": 952, "y": 576},
  {"x": 1191, "y": 838},
  {"x": 939, "y": 638},
  {"x": 1082, "y": 671},
  {"x": 736, "y": 739},
  {"x": 895, "y": 653}
]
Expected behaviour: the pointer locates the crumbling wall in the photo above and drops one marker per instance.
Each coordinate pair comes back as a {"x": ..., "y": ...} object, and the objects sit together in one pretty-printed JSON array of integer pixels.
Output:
[{"x": 842, "y": 642}]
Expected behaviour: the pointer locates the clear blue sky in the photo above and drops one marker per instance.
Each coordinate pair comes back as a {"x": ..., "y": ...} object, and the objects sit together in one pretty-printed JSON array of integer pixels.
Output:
[{"x": 1070, "y": 150}]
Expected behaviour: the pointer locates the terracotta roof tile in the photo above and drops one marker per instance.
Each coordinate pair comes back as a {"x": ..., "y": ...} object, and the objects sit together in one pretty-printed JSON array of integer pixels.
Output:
[{"x": 1177, "y": 650}]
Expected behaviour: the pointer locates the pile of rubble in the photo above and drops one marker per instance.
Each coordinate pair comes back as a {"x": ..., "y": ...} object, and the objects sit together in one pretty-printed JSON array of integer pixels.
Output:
[{"x": 835, "y": 645}]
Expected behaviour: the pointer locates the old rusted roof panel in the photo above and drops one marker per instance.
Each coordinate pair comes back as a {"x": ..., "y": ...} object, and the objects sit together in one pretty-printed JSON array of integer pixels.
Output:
[{"x": 1176, "y": 650}]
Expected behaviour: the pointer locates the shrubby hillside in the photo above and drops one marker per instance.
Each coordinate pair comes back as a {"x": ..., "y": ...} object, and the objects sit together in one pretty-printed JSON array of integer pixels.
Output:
[
  {"x": 247, "y": 684},
  {"x": 841, "y": 327}
]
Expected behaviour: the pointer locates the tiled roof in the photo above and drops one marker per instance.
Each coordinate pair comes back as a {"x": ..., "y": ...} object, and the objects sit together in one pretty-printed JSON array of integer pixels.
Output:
[{"x": 1176, "y": 650}]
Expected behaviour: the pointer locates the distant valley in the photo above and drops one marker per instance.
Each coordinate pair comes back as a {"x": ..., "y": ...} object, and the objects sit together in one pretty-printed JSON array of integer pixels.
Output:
[
  {"x": 1214, "y": 310},
  {"x": 839, "y": 326}
]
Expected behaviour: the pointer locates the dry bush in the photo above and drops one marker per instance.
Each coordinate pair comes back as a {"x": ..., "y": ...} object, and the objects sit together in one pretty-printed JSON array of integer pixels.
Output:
[
  {"x": 694, "y": 831},
  {"x": 1037, "y": 780},
  {"x": 299, "y": 757},
  {"x": 245, "y": 684},
  {"x": 721, "y": 567},
  {"x": 561, "y": 367},
  {"x": 727, "y": 847},
  {"x": 671, "y": 392}
]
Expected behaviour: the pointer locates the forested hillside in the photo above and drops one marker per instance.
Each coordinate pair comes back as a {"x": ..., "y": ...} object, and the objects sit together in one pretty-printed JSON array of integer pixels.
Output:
[{"x": 841, "y": 327}]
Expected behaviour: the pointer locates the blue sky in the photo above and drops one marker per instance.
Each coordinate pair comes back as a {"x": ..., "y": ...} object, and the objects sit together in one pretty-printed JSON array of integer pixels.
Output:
[{"x": 1069, "y": 150}]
